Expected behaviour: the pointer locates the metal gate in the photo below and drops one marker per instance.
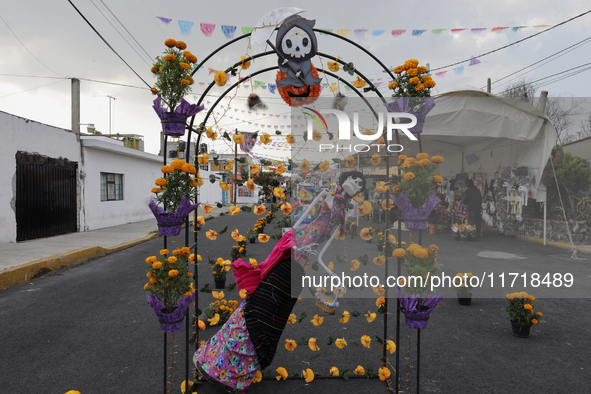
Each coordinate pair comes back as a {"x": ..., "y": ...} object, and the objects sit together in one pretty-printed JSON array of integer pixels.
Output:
[{"x": 45, "y": 196}]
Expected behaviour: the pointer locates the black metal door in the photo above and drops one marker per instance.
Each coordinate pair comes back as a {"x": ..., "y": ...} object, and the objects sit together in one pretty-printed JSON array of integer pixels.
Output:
[{"x": 45, "y": 196}]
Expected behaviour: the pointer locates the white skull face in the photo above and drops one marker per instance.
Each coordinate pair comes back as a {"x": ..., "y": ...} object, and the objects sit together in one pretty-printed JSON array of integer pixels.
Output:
[
  {"x": 352, "y": 186},
  {"x": 296, "y": 43}
]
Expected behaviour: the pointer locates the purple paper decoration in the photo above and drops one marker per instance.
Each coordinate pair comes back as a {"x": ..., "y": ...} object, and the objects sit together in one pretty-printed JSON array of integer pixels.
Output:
[
  {"x": 171, "y": 322},
  {"x": 474, "y": 61},
  {"x": 248, "y": 142},
  {"x": 186, "y": 26},
  {"x": 207, "y": 29},
  {"x": 417, "y": 318},
  {"x": 360, "y": 32},
  {"x": 272, "y": 87},
  {"x": 478, "y": 29},
  {"x": 169, "y": 224},
  {"x": 417, "y": 216},
  {"x": 403, "y": 104},
  {"x": 173, "y": 123},
  {"x": 228, "y": 31},
  {"x": 397, "y": 33},
  {"x": 165, "y": 20}
]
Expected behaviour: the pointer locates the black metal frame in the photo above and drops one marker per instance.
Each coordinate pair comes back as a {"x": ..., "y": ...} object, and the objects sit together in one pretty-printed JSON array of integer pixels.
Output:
[{"x": 193, "y": 247}]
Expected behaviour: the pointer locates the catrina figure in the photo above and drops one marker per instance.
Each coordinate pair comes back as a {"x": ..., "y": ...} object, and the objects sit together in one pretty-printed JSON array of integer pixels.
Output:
[{"x": 296, "y": 41}]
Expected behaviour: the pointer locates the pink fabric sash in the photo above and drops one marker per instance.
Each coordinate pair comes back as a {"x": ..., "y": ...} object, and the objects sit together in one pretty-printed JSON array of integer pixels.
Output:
[{"x": 248, "y": 277}]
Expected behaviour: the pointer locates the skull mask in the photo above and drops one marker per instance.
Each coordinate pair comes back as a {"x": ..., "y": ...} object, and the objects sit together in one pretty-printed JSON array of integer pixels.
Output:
[
  {"x": 352, "y": 186},
  {"x": 296, "y": 43}
]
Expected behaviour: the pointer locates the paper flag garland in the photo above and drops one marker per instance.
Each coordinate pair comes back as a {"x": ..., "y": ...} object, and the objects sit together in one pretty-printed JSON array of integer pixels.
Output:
[
  {"x": 186, "y": 26},
  {"x": 207, "y": 29},
  {"x": 396, "y": 33},
  {"x": 165, "y": 20},
  {"x": 474, "y": 61},
  {"x": 228, "y": 31}
]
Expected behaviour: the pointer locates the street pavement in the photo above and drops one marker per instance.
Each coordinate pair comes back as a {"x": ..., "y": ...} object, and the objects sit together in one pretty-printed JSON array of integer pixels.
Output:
[{"x": 88, "y": 327}]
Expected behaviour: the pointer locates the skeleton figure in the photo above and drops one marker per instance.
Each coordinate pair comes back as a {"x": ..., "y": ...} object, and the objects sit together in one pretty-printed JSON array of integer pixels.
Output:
[{"x": 297, "y": 42}]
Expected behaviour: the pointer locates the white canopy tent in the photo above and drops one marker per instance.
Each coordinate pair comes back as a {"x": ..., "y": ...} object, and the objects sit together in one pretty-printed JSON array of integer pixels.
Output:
[{"x": 479, "y": 132}]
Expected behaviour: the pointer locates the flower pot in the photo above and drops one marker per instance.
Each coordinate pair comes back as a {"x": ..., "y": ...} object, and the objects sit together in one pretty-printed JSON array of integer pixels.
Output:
[
  {"x": 173, "y": 321},
  {"x": 415, "y": 218},
  {"x": 252, "y": 240},
  {"x": 380, "y": 248},
  {"x": 173, "y": 124},
  {"x": 432, "y": 229},
  {"x": 220, "y": 283},
  {"x": 369, "y": 241},
  {"x": 520, "y": 331},
  {"x": 170, "y": 224},
  {"x": 419, "y": 107},
  {"x": 465, "y": 300}
]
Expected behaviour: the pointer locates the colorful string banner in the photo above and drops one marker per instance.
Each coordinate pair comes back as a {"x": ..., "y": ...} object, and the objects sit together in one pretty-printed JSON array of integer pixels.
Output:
[{"x": 229, "y": 31}]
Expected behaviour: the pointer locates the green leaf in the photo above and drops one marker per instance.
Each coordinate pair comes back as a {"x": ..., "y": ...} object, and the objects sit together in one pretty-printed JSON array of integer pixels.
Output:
[
  {"x": 206, "y": 289},
  {"x": 276, "y": 236},
  {"x": 223, "y": 230},
  {"x": 370, "y": 372},
  {"x": 380, "y": 340},
  {"x": 277, "y": 132},
  {"x": 330, "y": 340},
  {"x": 216, "y": 161},
  {"x": 315, "y": 266},
  {"x": 231, "y": 287},
  {"x": 246, "y": 208},
  {"x": 305, "y": 137},
  {"x": 219, "y": 205},
  {"x": 355, "y": 313},
  {"x": 226, "y": 136},
  {"x": 302, "y": 317},
  {"x": 346, "y": 375},
  {"x": 337, "y": 161},
  {"x": 241, "y": 160}
]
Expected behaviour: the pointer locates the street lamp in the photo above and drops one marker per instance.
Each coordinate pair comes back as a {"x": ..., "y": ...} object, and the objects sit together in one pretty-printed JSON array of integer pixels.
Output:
[{"x": 89, "y": 127}]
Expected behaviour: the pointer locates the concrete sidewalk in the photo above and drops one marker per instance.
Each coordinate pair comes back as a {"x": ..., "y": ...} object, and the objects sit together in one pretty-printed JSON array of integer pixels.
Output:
[{"x": 24, "y": 261}]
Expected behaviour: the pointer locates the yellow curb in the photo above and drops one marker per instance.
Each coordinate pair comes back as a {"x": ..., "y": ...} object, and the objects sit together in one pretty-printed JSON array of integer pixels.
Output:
[
  {"x": 562, "y": 245},
  {"x": 30, "y": 271}
]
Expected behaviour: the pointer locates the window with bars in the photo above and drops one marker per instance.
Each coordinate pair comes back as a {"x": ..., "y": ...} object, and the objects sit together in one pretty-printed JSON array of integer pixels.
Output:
[
  {"x": 111, "y": 186},
  {"x": 204, "y": 167}
]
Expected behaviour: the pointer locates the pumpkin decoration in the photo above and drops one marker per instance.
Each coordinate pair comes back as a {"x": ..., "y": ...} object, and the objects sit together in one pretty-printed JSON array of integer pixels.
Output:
[{"x": 298, "y": 96}]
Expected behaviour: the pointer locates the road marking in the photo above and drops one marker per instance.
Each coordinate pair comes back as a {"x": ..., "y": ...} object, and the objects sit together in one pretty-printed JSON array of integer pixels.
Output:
[{"x": 490, "y": 254}]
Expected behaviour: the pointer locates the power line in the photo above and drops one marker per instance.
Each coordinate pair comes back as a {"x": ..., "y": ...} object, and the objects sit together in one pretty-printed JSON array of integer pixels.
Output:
[
  {"x": 514, "y": 43},
  {"x": 28, "y": 90},
  {"x": 30, "y": 76},
  {"x": 109, "y": 45},
  {"x": 578, "y": 44},
  {"x": 24, "y": 46}
]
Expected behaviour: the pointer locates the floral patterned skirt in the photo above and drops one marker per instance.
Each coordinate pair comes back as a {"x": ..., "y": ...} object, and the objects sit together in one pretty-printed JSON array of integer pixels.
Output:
[{"x": 229, "y": 357}]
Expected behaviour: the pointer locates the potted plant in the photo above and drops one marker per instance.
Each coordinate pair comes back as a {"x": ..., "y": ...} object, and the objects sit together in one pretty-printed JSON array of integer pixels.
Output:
[
  {"x": 455, "y": 230},
  {"x": 219, "y": 311},
  {"x": 351, "y": 228},
  {"x": 174, "y": 191},
  {"x": 252, "y": 235},
  {"x": 220, "y": 268},
  {"x": 522, "y": 314},
  {"x": 170, "y": 287},
  {"x": 173, "y": 81},
  {"x": 239, "y": 250},
  {"x": 411, "y": 90},
  {"x": 415, "y": 195},
  {"x": 260, "y": 225},
  {"x": 414, "y": 288},
  {"x": 464, "y": 290}
]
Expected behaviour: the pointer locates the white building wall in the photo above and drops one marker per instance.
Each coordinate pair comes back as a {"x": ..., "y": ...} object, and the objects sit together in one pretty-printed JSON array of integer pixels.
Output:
[
  {"x": 139, "y": 170},
  {"x": 210, "y": 193},
  {"x": 20, "y": 134}
]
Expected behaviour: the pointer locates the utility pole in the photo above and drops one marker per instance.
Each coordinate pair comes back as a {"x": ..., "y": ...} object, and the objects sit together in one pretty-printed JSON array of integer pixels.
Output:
[
  {"x": 488, "y": 87},
  {"x": 76, "y": 107},
  {"x": 110, "y": 98}
]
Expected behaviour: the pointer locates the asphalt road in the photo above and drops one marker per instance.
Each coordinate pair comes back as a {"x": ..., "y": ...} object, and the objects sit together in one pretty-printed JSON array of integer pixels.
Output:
[{"x": 90, "y": 329}]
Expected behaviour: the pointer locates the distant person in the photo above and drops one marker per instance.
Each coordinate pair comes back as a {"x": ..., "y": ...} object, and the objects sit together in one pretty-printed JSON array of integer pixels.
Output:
[{"x": 473, "y": 202}]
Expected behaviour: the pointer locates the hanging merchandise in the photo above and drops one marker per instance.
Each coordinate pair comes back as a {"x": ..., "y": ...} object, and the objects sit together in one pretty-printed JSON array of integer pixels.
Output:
[{"x": 298, "y": 81}]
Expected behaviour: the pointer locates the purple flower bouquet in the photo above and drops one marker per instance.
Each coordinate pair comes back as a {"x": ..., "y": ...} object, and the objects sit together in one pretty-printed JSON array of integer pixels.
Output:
[
  {"x": 420, "y": 109},
  {"x": 417, "y": 309},
  {"x": 173, "y": 123},
  {"x": 170, "y": 224},
  {"x": 415, "y": 218},
  {"x": 171, "y": 322}
]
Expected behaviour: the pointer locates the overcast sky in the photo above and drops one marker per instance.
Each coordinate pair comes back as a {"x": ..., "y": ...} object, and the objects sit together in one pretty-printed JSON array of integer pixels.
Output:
[{"x": 44, "y": 48}]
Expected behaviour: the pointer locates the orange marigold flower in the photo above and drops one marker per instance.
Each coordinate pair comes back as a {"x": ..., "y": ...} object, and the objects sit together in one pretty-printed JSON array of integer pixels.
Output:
[
  {"x": 263, "y": 238},
  {"x": 317, "y": 320},
  {"x": 333, "y": 66},
  {"x": 420, "y": 88},
  {"x": 334, "y": 371},
  {"x": 171, "y": 43},
  {"x": 173, "y": 273},
  {"x": 359, "y": 371},
  {"x": 181, "y": 45},
  {"x": 211, "y": 234},
  {"x": 429, "y": 84},
  {"x": 290, "y": 344},
  {"x": 220, "y": 78},
  {"x": 170, "y": 57},
  {"x": 312, "y": 344},
  {"x": 340, "y": 343},
  {"x": 393, "y": 85},
  {"x": 184, "y": 66},
  {"x": 384, "y": 373},
  {"x": 408, "y": 176},
  {"x": 437, "y": 159}
]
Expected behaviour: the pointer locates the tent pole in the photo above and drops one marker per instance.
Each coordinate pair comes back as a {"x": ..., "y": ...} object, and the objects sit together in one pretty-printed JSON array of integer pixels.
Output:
[{"x": 545, "y": 204}]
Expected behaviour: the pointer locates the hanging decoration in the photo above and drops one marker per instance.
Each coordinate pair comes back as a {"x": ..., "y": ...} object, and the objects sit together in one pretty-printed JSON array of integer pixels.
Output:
[{"x": 298, "y": 81}]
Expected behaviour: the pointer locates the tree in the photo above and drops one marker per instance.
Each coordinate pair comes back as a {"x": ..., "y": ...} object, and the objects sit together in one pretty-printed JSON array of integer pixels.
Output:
[{"x": 559, "y": 111}]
